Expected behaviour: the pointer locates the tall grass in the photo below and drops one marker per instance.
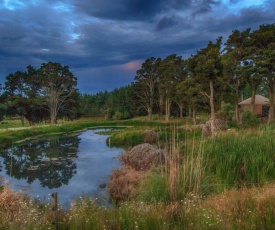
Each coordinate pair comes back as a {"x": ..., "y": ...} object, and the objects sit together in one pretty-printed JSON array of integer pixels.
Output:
[
  {"x": 211, "y": 165},
  {"x": 19, "y": 212},
  {"x": 244, "y": 209},
  {"x": 182, "y": 174},
  {"x": 225, "y": 182},
  {"x": 244, "y": 159}
]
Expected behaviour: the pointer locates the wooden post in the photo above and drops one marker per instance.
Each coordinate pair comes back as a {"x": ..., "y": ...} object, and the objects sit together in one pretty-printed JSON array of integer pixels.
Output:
[{"x": 54, "y": 208}]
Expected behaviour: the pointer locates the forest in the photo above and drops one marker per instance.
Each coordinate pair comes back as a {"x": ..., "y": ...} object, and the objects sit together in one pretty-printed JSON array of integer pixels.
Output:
[{"x": 215, "y": 78}]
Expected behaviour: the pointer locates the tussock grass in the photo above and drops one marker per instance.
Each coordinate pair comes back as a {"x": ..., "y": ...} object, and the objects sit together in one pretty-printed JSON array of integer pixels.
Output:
[
  {"x": 222, "y": 182},
  {"x": 19, "y": 212},
  {"x": 233, "y": 209}
]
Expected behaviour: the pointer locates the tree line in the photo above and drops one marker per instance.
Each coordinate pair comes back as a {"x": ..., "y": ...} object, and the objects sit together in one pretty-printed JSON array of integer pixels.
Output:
[
  {"x": 216, "y": 75},
  {"x": 40, "y": 95},
  {"x": 243, "y": 66}
]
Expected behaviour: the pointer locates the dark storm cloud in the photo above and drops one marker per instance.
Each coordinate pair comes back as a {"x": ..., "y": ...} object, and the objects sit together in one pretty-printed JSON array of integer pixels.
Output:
[
  {"x": 166, "y": 22},
  {"x": 124, "y": 9},
  {"x": 139, "y": 10},
  {"x": 104, "y": 42}
]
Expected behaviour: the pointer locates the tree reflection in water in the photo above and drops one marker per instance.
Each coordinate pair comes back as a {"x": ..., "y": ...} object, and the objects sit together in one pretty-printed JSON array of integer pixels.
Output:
[{"x": 51, "y": 160}]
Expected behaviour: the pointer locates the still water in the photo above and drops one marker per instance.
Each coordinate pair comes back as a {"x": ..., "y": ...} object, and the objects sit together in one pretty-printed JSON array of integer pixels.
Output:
[{"x": 70, "y": 165}]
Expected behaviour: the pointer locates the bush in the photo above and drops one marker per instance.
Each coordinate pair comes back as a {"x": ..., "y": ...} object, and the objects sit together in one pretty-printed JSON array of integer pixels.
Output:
[
  {"x": 3, "y": 110},
  {"x": 226, "y": 113},
  {"x": 118, "y": 116},
  {"x": 249, "y": 119}
]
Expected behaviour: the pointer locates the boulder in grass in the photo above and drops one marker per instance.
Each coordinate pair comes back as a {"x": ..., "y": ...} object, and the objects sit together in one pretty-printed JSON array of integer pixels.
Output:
[
  {"x": 219, "y": 125},
  {"x": 144, "y": 156}
]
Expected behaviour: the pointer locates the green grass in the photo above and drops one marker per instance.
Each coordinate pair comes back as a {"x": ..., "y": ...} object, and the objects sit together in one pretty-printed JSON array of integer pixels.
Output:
[
  {"x": 221, "y": 182},
  {"x": 245, "y": 159},
  {"x": 244, "y": 209}
]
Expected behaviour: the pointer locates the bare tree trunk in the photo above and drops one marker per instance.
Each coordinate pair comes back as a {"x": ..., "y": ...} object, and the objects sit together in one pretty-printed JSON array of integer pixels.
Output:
[
  {"x": 190, "y": 112},
  {"x": 271, "y": 101},
  {"x": 53, "y": 116},
  {"x": 237, "y": 112},
  {"x": 167, "y": 109},
  {"x": 212, "y": 115},
  {"x": 253, "y": 100},
  {"x": 150, "y": 113},
  {"x": 160, "y": 106},
  {"x": 194, "y": 116},
  {"x": 22, "y": 120},
  {"x": 181, "y": 111}
]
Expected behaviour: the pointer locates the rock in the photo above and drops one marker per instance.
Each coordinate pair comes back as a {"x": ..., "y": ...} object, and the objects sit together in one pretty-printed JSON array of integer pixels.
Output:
[
  {"x": 103, "y": 185},
  {"x": 150, "y": 136},
  {"x": 144, "y": 156},
  {"x": 206, "y": 130},
  {"x": 219, "y": 125}
]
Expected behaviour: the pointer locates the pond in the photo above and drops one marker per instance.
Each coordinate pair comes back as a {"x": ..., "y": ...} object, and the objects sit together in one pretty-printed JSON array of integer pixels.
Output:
[{"x": 71, "y": 165}]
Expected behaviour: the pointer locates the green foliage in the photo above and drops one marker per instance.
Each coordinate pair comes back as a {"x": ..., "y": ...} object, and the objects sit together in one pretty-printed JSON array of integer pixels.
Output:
[
  {"x": 241, "y": 160},
  {"x": 154, "y": 188},
  {"x": 118, "y": 116},
  {"x": 222, "y": 182},
  {"x": 37, "y": 95},
  {"x": 226, "y": 113},
  {"x": 145, "y": 86},
  {"x": 127, "y": 138},
  {"x": 3, "y": 110},
  {"x": 249, "y": 119},
  {"x": 110, "y": 114}
]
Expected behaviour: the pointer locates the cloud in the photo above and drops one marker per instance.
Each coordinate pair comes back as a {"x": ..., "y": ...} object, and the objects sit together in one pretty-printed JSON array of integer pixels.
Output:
[
  {"x": 166, "y": 22},
  {"x": 106, "y": 40},
  {"x": 131, "y": 66}
]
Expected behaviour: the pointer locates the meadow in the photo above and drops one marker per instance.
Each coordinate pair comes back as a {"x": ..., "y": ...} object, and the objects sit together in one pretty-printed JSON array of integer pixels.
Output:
[{"x": 220, "y": 182}]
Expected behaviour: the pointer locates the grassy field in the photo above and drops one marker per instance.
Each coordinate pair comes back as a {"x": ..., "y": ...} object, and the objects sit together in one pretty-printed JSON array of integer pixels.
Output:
[{"x": 221, "y": 182}]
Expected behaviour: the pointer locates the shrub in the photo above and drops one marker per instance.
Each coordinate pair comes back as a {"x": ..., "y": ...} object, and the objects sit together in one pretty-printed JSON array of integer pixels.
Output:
[{"x": 249, "y": 119}]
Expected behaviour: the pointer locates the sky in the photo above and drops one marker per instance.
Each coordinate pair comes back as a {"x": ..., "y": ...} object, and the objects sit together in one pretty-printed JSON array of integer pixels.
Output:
[{"x": 104, "y": 42}]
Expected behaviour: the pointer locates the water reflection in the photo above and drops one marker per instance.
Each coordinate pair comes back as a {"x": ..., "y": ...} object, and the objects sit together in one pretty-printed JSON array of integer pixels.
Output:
[
  {"x": 70, "y": 165},
  {"x": 51, "y": 161}
]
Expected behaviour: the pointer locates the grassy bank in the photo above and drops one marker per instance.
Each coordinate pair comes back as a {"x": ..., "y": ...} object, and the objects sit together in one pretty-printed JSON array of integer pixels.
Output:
[
  {"x": 221, "y": 182},
  {"x": 235, "y": 209},
  {"x": 17, "y": 133},
  {"x": 134, "y": 135}
]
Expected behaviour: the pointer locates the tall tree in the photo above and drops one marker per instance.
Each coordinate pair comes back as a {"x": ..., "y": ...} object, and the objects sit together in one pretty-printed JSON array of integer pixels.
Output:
[
  {"x": 15, "y": 87},
  {"x": 263, "y": 41},
  {"x": 146, "y": 79},
  {"x": 206, "y": 67},
  {"x": 170, "y": 74},
  {"x": 232, "y": 63},
  {"x": 58, "y": 87},
  {"x": 180, "y": 92}
]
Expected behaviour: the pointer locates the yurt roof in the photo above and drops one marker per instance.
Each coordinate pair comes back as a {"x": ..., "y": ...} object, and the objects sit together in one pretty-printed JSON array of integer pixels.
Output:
[{"x": 259, "y": 100}]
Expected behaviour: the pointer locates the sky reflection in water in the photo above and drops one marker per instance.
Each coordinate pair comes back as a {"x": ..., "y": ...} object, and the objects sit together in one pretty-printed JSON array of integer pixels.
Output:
[{"x": 70, "y": 165}]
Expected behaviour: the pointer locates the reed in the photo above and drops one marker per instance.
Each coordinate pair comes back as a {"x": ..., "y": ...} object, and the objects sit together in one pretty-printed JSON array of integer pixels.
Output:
[
  {"x": 238, "y": 160},
  {"x": 183, "y": 172},
  {"x": 224, "y": 182}
]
